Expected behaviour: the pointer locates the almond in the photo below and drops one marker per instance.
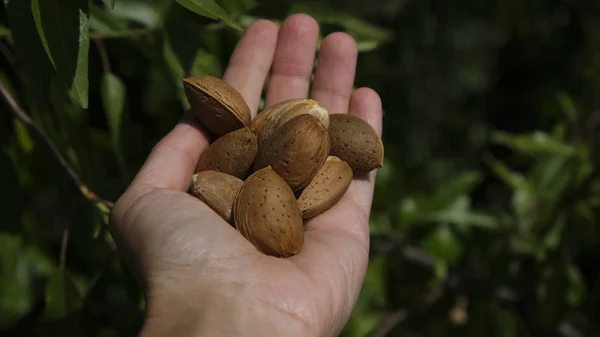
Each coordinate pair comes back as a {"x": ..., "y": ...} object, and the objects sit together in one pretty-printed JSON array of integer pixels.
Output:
[
  {"x": 232, "y": 154},
  {"x": 326, "y": 188},
  {"x": 356, "y": 142},
  {"x": 217, "y": 190},
  {"x": 273, "y": 117},
  {"x": 216, "y": 104},
  {"x": 296, "y": 150},
  {"x": 266, "y": 213}
]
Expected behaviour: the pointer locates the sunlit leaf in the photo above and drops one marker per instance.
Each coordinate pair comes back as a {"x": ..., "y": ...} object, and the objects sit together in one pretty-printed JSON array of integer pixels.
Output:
[
  {"x": 209, "y": 9},
  {"x": 62, "y": 296}
]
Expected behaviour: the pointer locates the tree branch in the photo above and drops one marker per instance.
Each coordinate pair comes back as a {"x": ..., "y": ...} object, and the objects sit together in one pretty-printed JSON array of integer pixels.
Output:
[{"x": 102, "y": 205}]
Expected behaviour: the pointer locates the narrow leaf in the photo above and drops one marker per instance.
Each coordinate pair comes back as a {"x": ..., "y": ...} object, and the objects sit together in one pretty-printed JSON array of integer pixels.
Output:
[
  {"x": 534, "y": 143},
  {"x": 29, "y": 50},
  {"x": 109, "y": 3},
  {"x": 65, "y": 33},
  {"x": 175, "y": 70},
  {"x": 113, "y": 100},
  {"x": 62, "y": 296},
  {"x": 209, "y": 9}
]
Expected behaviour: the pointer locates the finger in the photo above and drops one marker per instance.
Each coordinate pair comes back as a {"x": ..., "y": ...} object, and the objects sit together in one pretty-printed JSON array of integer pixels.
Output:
[
  {"x": 336, "y": 249},
  {"x": 335, "y": 72},
  {"x": 251, "y": 61},
  {"x": 173, "y": 159},
  {"x": 366, "y": 104},
  {"x": 294, "y": 59},
  {"x": 170, "y": 165}
]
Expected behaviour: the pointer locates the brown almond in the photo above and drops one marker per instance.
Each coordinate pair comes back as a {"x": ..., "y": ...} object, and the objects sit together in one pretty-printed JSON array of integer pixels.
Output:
[
  {"x": 266, "y": 213},
  {"x": 216, "y": 104},
  {"x": 296, "y": 150},
  {"x": 356, "y": 142},
  {"x": 326, "y": 188},
  {"x": 232, "y": 154},
  {"x": 273, "y": 117},
  {"x": 217, "y": 190}
]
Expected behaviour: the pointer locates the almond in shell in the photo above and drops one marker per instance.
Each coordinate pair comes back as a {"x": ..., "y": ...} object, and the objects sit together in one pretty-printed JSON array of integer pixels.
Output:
[
  {"x": 356, "y": 142},
  {"x": 274, "y": 116},
  {"x": 296, "y": 150},
  {"x": 326, "y": 188},
  {"x": 216, "y": 104},
  {"x": 233, "y": 153},
  {"x": 217, "y": 190},
  {"x": 266, "y": 213}
]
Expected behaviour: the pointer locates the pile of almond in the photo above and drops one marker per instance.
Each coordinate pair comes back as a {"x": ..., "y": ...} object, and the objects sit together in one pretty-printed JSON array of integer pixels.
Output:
[{"x": 266, "y": 176}]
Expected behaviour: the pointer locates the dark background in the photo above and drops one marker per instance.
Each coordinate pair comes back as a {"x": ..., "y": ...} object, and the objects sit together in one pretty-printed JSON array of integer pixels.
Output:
[{"x": 485, "y": 215}]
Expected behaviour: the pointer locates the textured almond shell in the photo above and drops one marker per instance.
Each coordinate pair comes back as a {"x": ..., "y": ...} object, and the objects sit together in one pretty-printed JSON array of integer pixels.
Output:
[
  {"x": 326, "y": 188},
  {"x": 296, "y": 150},
  {"x": 356, "y": 142},
  {"x": 266, "y": 213},
  {"x": 276, "y": 115},
  {"x": 217, "y": 190},
  {"x": 217, "y": 105},
  {"x": 233, "y": 154}
]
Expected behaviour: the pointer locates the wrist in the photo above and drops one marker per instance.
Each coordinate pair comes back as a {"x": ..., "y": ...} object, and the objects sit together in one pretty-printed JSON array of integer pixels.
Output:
[{"x": 211, "y": 314}]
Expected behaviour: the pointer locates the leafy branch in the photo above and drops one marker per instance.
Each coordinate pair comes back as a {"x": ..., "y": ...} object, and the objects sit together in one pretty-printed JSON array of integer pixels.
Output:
[{"x": 104, "y": 206}]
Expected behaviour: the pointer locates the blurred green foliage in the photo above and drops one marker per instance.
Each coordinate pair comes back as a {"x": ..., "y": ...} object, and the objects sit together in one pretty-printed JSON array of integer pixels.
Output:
[{"x": 485, "y": 215}]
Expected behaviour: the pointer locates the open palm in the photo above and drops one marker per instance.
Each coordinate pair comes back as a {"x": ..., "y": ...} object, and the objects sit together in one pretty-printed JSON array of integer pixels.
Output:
[{"x": 188, "y": 259}]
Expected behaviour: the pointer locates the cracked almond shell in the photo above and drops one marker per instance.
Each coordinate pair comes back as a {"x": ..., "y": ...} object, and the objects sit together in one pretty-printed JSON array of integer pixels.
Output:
[
  {"x": 217, "y": 190},
  {"x": 216, "y": 104},
  {"x": 266, "y": 213},
  {"x": 296, "y": 150},
  {"x": 232, "y": 153},
  {"x": 356, "y": 142},
  {"x": 326, "y": 188},
  {"x": 274, "y": 116}
]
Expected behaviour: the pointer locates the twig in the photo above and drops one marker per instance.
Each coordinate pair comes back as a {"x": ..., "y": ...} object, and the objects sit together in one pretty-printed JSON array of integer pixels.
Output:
[{"x": 102, "y": 205}]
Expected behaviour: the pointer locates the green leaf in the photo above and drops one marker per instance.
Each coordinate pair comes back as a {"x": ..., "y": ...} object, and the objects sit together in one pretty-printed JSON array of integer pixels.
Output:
[
  {"x": 568, "y": 107},
  {"x": 109, "y": 3},
  {"x": 238, "y": 6},
  {"x": 175, "y": 70},
  {"x": 145, "y": 13},
  {"x": 15, "y": 296},
  {"x": 524, "y": 198},
  {"x": 62, "y": 296},
  {"x": 442, "y": 243},
  {"x": 30, "y": 50},
  {"x": 367, "y": 35},
  {"x": 209, "y": 9},
  {"x": 205, "y": 63},
  {"x": 113, "y": 100},
  {"x": 106, "y": 23},
  {"x": 537, "y": 142},
  {"x": 63, "y": 26},
  {"x": 577, "y": 289}
]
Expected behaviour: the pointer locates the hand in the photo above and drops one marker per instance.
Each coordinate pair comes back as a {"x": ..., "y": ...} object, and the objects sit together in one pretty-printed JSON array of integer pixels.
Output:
[{"x": 199, "y": 275}]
